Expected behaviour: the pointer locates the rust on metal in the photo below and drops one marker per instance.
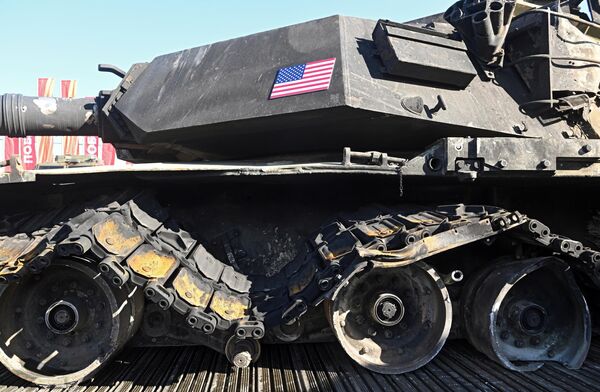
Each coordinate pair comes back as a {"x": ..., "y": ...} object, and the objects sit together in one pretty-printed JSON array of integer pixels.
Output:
[
  {"x": 303, "y": 280},
  {"x": 192, "y": 290},
  {"x": 150, "y": 263},
  {"x": 116, "y": 236},
  {"x": 230, "y": 307}
]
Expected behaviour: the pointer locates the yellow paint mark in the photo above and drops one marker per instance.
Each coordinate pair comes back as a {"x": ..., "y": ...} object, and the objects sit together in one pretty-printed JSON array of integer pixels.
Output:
[
  {"x": 150, "y": 263},
  {"x": 191, "y": 289},
  {"x": 116, "y": 236},
  {"x": 229, "y": 307}
]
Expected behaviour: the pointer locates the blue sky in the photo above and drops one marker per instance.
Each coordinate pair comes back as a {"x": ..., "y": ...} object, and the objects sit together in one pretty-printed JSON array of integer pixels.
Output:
[{"x": 67, "y": 39}]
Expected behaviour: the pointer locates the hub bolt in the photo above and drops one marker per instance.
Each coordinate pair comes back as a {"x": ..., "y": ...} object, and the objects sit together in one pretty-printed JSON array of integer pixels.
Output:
[{"x": 387, "y": 310}]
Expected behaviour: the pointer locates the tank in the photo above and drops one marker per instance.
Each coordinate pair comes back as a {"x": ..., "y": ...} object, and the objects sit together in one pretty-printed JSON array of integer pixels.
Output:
[{"x": 385, "y": 185}]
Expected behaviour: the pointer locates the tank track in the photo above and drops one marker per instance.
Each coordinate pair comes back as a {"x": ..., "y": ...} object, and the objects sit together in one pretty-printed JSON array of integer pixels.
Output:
[{"x": 133, "y": 241}]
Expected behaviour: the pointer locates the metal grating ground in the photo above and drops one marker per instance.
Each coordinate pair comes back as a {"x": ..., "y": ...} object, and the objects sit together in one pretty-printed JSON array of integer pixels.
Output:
[{"x": 319, "y": 367}]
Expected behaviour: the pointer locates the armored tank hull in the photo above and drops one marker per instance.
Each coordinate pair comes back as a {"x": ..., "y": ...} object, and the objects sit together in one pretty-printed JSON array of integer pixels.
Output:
[{"x": 382, "y": 185}]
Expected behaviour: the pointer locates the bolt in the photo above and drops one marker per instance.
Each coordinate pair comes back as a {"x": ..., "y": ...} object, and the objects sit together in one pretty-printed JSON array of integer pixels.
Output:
[
  {"x": 40, "y": 320},
  {"x": 535, "y": 341},
  {"x": 67, "y": 342},
  {"x": 85, "y": 338},
  {"x": 520, "y": 128},
  {"x": 545, "y": 164},
  {"x": 98, "y": 325},
  {"x": 360, "y": 320},
  {"x": 586, "y": 148},
  {"x": 519, "y": 343},
  {"x": 28, "y": 345},
  {"x": 372, "y": 331},
  {"x": 242, "y": 360},
  {"x": 388, "y": 334},
  {"x": 502, "y": 163},
  {"x": 49, "y": 335},
  {"x": 427, "y": 324},
  {"x": 460, "y": 164},
  {"x": 551, "y": 353},
  {"x": 504, "y": 335},
  {"x": 427, "y": 291}
]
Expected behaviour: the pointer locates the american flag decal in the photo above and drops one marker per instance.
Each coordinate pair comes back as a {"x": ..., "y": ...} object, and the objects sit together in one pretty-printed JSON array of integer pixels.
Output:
[{"x": 303, "y": 78}]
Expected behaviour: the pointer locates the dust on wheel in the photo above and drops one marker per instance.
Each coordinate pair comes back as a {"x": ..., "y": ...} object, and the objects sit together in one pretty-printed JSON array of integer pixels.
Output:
[
  {"x": 392, "y": 320},
  {"x": 63, "y": 325}
]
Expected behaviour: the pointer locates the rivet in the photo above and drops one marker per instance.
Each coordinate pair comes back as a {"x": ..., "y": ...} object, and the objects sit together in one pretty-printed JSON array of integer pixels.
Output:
[{"x": 110, "y": 241}]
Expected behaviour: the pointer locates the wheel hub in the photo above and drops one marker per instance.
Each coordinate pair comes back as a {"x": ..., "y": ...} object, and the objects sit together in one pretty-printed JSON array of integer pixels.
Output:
[
  {"x": 533, "y": 319},
  {"x": 388, "y": 309},
  {"x": 62, "y": 317},
  {"x": 530, "y": 318}
]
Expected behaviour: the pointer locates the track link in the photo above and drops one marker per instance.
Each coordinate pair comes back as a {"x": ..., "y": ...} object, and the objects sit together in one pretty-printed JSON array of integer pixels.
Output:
[{"x": 132, "y": 240}]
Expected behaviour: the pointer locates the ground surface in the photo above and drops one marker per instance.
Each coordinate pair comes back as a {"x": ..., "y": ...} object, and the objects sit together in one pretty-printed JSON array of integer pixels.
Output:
[{"x": 319, "y": 367}]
